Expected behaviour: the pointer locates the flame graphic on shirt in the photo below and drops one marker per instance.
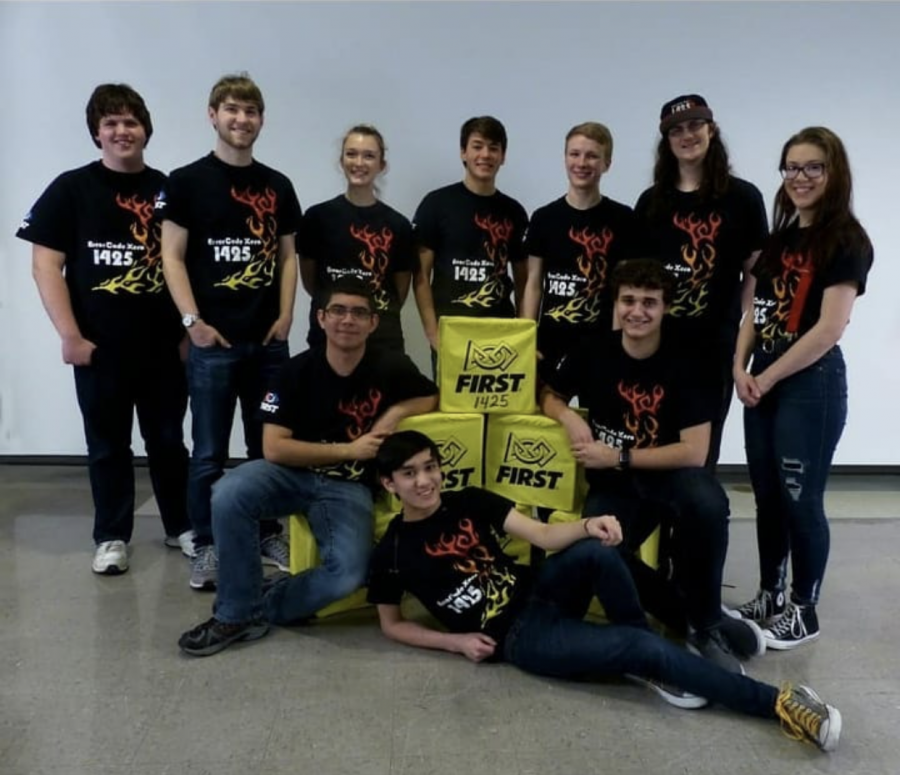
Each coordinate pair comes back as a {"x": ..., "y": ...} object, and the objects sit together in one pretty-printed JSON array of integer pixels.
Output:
[
  {"x": 593, "y": 264},
  {"x": 473, "y": 558},
  {"x": 362, "y": 412},
  {"x": 146, "y": 275},
  {"x": 375, "y": 258},
  {"x": 641, "y": 418},
  {"x": 496, "y": 248},
  {"x": 260, "y": 272},
  {"x": 791, "y": 289},
  {"x": 699, "y": 254}
]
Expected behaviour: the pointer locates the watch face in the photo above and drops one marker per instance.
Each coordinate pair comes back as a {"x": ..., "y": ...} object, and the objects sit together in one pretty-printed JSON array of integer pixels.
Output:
[{"x": 188, "y": 320}]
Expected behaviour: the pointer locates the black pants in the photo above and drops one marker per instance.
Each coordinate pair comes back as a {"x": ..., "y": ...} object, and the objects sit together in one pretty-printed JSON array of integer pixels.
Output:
[{"x": 109, "y": 390}]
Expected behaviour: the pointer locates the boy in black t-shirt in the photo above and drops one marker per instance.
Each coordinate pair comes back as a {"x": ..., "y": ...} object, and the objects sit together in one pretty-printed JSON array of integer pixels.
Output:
[
  {"x": 325, "y": 416},
  {"x": 445, "y": 550},
  {"x": 469, "y": 234},
  {"x": 96, "y": 257},
  {"x": 572, "y": 246},
  {"x": 644, "y": 445},
  {"x": 231, "y": 267}
]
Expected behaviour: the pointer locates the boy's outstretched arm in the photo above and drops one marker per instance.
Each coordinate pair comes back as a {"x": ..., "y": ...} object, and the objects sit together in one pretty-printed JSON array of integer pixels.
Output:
[
  {"x": 475, "y": 646},
  {"x": 552, "y": 538}
]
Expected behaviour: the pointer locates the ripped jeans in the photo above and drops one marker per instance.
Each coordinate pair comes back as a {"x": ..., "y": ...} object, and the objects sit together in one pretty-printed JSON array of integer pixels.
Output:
[{"x": 790, "y": 440}]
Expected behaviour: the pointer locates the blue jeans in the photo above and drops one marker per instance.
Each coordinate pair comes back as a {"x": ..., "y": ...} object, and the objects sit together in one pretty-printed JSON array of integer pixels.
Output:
[
  {"x": 340, "y": 517},
  {"x": 790, "y": 439},
  {"x": 110, "y": 389},
  {"x": 219, "y": 378},
  {"x": 691, "y": 504},
  {"x": 549, "y": 636}
]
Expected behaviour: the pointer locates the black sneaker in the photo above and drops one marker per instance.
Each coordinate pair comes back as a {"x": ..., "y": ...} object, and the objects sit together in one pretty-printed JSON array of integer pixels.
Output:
[
  {"x": 671, "y": 694},
  {"x": 796, "y": 626},
  {"x": 765, "y": 606},
  {"x": 805, "y": 717},
  {"x": 713, "y": 645},
  {"x": 744, "y": 636},
  {"x": 212, "y": 636}
]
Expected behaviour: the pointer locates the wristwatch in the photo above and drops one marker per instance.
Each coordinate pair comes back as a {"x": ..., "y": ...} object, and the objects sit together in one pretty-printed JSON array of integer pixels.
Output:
[
  {"x": 624, "y": 459},
  {"x": 188, "y": 319}
]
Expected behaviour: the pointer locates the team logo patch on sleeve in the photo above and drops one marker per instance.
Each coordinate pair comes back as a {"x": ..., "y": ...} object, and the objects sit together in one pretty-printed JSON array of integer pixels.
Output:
[{"x": 270, "y": 402}]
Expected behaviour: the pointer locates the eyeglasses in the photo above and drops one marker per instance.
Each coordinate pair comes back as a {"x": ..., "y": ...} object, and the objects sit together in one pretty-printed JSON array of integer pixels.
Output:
[
  {"x": 812, "y": 171},
  {"x": 340, "y": 311},
  {"x": 688, "y": 127}
]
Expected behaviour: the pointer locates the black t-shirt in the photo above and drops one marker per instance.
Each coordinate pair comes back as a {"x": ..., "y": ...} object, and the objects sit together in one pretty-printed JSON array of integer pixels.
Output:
[
  {"x": 473, "y": 238},
  {"x": 452, "y": 562},
  {"x": 704, "y": 244},
  {"x": 372, "y": 243},
  {"x": 579, "y": 249},
  {"x": 632, "y": 403},
  {"x": 234, "y": 217},
  {"x": 787, "y": 304},
  {"x": 103, "y": 221},
  {"x": 320, "y": 406}
]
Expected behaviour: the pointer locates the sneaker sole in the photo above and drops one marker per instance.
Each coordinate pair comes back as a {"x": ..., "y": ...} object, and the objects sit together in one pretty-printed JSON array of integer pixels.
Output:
[
  {"x": 834, "y": 729},
  {"x": 203, "y": 586},
  {"x": 787, "y": 645},
  {"x": 110, "y": 570},
  {"x": 253, "y": 633},
  {"x": 685, "y": 702},
  {"x": 272, "y": 563}
]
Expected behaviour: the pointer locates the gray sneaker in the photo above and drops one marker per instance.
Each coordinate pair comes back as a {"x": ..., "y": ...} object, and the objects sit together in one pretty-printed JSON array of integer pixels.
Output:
[
  {"x": 274, "y": 551},
  {"x": 204, "y": 568},
  {"x": 713, "y": 645}
]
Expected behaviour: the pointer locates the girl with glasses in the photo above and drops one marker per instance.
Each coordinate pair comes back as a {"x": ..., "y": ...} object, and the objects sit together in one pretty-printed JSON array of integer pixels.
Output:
[{"x": 810, "y": 272}]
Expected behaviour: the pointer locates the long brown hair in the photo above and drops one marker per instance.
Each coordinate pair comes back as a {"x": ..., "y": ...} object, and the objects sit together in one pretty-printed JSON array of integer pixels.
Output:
[
  {"x": 713, "y": 184},
  {"x": 834, "y": 225}
]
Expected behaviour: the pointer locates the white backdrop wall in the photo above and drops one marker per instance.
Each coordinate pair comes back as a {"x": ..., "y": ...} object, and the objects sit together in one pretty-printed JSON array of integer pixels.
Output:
[{"x": 417, "y": 70}]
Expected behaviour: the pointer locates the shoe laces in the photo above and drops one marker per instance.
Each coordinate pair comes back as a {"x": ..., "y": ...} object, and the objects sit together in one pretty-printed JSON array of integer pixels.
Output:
[
  {"x": 205, "y": 558},
  {"x": 276, "y": 548},
  {"x": 758, "y": 608},
  {"x": 801, "y": 713},
  {"x": 789, "y": 623}
]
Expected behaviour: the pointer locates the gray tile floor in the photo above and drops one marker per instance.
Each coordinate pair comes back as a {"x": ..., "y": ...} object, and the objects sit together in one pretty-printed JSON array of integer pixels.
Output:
[{"x": 91, "y": 680}]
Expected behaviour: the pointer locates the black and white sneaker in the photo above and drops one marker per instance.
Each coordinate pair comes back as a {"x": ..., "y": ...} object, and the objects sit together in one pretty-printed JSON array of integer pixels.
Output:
[
  {"x": 765, "y": 606},
  {"x": 671, "y": 694},
  {"x": 796, "y": 626},
  {"x": 212, "y": 636}
]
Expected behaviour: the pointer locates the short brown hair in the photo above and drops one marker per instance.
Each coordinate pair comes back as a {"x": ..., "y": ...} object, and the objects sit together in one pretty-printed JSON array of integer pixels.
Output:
[
  {"x": 111, "y": 98},
  {"x": 238, "y": 86},
  {"x": 645, "y": 273},
  {"x": 488, "y": 127},
  {"x": 595, "y": 131}
]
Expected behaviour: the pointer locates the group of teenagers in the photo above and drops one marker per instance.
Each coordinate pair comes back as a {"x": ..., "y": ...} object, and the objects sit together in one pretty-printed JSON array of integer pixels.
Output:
[{"x": 169, "y": 289}]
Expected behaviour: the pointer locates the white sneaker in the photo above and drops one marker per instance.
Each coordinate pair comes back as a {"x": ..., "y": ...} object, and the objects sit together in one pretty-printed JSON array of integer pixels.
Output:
[
  {"x": 110, "y": 558},
  {"x": 185, "y": 542}
]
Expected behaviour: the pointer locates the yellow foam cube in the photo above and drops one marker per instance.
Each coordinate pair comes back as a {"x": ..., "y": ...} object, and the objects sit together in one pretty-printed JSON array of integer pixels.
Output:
[{"x": 488, "y": 365}]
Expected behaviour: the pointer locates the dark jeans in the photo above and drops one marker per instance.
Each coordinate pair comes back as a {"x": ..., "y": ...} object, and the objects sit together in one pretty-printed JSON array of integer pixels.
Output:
[
  {"x": 339, "y": 514},
  {"x": 219, "y": 378},
  {"x": 691, "y": 504},
  {"x": 790, "y": 438},
  {"x": 722, "y": 373},
  {"x": 109, "y": 390},
  {"x": 549, "y": 636}
]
